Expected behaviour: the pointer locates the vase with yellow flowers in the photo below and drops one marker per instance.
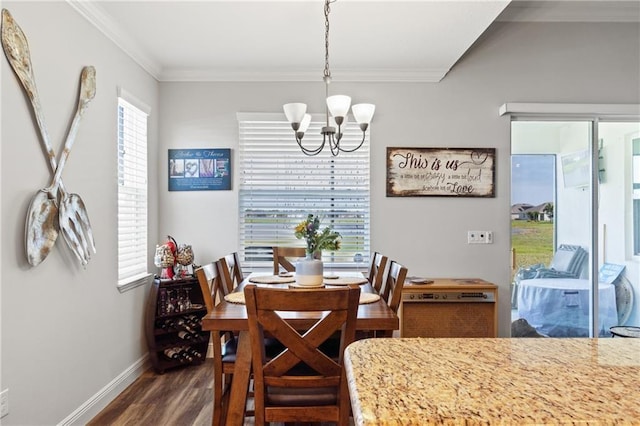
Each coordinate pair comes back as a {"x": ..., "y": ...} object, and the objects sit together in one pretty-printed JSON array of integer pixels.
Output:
[{"x": 309, "y": 269}]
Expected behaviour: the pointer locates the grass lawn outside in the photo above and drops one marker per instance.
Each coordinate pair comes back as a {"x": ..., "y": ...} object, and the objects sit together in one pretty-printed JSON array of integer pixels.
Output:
[{"x": 532, "y": 242}]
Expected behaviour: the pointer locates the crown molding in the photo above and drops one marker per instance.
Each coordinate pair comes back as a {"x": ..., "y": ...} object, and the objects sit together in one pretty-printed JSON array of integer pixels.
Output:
[
  {"x": 571, "y": 11},
  {"x": 365, "y": 76},
  {"x": 114, "y": 32},
  {"x": 93, "y": 13}
]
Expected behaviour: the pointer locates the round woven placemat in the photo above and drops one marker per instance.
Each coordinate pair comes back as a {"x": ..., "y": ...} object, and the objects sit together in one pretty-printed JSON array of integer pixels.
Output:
[
  {"x": 368, "y": 298},
  {"x": 296, "y": 285},
  {"x": 238, "y": 298},
  {"x": 345, "y": 280},
  {"x": 271, "y": 279}
]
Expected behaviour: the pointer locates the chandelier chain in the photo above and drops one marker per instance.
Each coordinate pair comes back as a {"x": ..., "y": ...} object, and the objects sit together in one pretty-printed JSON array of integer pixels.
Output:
[{"x": 327, "y": 9}]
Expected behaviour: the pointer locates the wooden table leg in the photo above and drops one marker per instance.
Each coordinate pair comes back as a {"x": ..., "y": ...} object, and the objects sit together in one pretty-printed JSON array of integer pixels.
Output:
[{"x": 240, "y": 381}]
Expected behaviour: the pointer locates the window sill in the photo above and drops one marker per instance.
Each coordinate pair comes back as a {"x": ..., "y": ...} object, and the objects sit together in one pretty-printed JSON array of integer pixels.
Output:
[{"x": 135, "y": 282}]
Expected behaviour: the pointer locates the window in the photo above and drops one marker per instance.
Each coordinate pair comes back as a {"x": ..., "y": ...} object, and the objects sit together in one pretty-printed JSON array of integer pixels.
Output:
[
  {"x": 132, "y": 193},
  {"x": 279, "y": 186}
]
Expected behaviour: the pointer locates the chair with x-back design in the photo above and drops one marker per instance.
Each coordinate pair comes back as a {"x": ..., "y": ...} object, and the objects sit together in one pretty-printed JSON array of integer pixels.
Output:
[{"x": 302, "y": 383}]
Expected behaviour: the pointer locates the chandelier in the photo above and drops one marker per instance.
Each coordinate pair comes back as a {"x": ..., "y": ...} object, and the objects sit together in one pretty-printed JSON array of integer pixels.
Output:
[{"x": 336, "y": 110}]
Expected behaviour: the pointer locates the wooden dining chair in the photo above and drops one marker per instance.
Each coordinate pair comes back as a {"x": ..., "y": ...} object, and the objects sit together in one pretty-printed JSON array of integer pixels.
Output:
[
  {"x": 224, "y": 345},
  {"x": 230, "y": 271},
  {"x": 392, "y": 291},
  {"x": 302, "y": 383},
  {"x": 376, "y": 270},
  {"x": 281, "y": 256},
  {"x": 207, "y": 276}
]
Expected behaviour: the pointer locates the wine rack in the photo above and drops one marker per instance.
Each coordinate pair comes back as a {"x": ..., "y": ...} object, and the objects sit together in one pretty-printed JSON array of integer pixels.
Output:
[{"x": 173, "y": 323}]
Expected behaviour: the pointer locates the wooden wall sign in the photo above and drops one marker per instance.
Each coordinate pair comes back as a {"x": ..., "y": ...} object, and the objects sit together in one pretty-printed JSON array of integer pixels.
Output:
[{"x": 442, "y": 172}]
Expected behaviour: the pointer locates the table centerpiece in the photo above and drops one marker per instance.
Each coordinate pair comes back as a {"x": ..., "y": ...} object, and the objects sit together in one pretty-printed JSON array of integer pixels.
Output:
[{"x": 309, "y": 270}]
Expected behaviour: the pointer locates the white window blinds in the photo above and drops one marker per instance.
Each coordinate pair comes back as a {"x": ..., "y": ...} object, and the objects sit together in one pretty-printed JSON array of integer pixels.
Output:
[
  {"x": 132, "y": 193},
  {"x": 279, "y": 186}
]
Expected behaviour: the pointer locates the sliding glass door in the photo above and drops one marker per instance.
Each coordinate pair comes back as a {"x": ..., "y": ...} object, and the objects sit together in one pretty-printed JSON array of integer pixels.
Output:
[
  {"x": 552, "y": 226},
  {"x": 575, "y": 256}
]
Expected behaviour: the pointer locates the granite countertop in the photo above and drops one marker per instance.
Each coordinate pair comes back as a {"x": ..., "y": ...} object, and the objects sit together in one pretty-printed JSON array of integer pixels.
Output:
[{"x": 419, "y": 381}]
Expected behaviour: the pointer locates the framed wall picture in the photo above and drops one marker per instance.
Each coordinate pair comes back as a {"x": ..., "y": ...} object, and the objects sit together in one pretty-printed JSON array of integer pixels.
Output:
[
  {"x": 199, "y": 169},
  {"x": 441, "y": 172}
]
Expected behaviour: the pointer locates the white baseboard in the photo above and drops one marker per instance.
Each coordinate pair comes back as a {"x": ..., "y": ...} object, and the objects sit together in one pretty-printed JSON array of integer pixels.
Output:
[{"x": 88, "y": 410}]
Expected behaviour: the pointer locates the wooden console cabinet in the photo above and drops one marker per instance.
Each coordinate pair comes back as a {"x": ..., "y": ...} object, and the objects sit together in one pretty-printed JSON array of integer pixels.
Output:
[
  {"x": 173, "y": 323},
  {"x": 449, "y": 307}
]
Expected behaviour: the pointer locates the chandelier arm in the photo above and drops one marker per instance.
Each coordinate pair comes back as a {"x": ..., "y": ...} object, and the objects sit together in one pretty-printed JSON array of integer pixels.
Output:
[
  {"x": 312, "y": 151},
  {"x": 339, "y": 135},
  {"x": 364, "y": 136},
  {"x": 335, "y": 146}
]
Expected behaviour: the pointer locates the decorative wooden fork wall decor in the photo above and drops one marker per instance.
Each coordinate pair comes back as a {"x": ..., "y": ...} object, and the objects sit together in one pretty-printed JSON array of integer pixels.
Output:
[{"x": 53, "y": 209}]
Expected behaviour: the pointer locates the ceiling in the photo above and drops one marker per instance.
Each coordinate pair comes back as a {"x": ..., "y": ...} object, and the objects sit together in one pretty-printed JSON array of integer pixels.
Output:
[{"x": 267, "y": 40}]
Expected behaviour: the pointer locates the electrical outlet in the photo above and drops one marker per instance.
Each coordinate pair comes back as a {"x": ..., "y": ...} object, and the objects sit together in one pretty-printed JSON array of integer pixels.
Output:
[
  {"x": 4, "y": 403},
  {"x": 479, "y": 237},
  {"x": 473, "y": 237}
]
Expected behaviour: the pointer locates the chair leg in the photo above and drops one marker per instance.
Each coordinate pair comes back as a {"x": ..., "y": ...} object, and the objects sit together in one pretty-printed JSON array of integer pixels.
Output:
[
  {"x": 344, "y": 401},
  {"x": 217, "y": 419},
  {"x": 224, "y": 407},
  {"x": 224, "y": 401},
  {"x": 249, "y": 412},
  {"x": 219, "y": 384},
  {"x": 218, "y": 394}
]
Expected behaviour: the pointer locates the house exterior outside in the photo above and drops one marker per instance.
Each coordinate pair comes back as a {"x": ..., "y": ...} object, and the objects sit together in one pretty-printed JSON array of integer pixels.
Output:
[{"x": 540, "y": 212}]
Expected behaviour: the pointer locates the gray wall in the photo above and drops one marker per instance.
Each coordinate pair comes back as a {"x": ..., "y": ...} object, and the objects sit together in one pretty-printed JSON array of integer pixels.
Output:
[{"x": 66, "y": 330}]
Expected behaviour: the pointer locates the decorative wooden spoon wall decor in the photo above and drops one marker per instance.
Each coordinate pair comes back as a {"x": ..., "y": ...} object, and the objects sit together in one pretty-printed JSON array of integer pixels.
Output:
[{"x": 45, "y": 215}]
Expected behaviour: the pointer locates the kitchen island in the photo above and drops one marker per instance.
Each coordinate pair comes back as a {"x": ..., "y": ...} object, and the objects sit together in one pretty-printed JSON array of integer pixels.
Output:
[{"x": 418, "y": 381}]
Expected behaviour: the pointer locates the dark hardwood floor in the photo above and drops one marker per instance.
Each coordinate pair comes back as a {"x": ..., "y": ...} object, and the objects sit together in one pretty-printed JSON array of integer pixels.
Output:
[{"x": 179, "y": 397}]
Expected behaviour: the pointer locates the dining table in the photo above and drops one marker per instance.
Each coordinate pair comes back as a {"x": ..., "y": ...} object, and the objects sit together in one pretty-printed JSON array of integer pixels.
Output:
[
  {"x": 501, "y": 381},
  {"x": 231, "y": 315}
]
